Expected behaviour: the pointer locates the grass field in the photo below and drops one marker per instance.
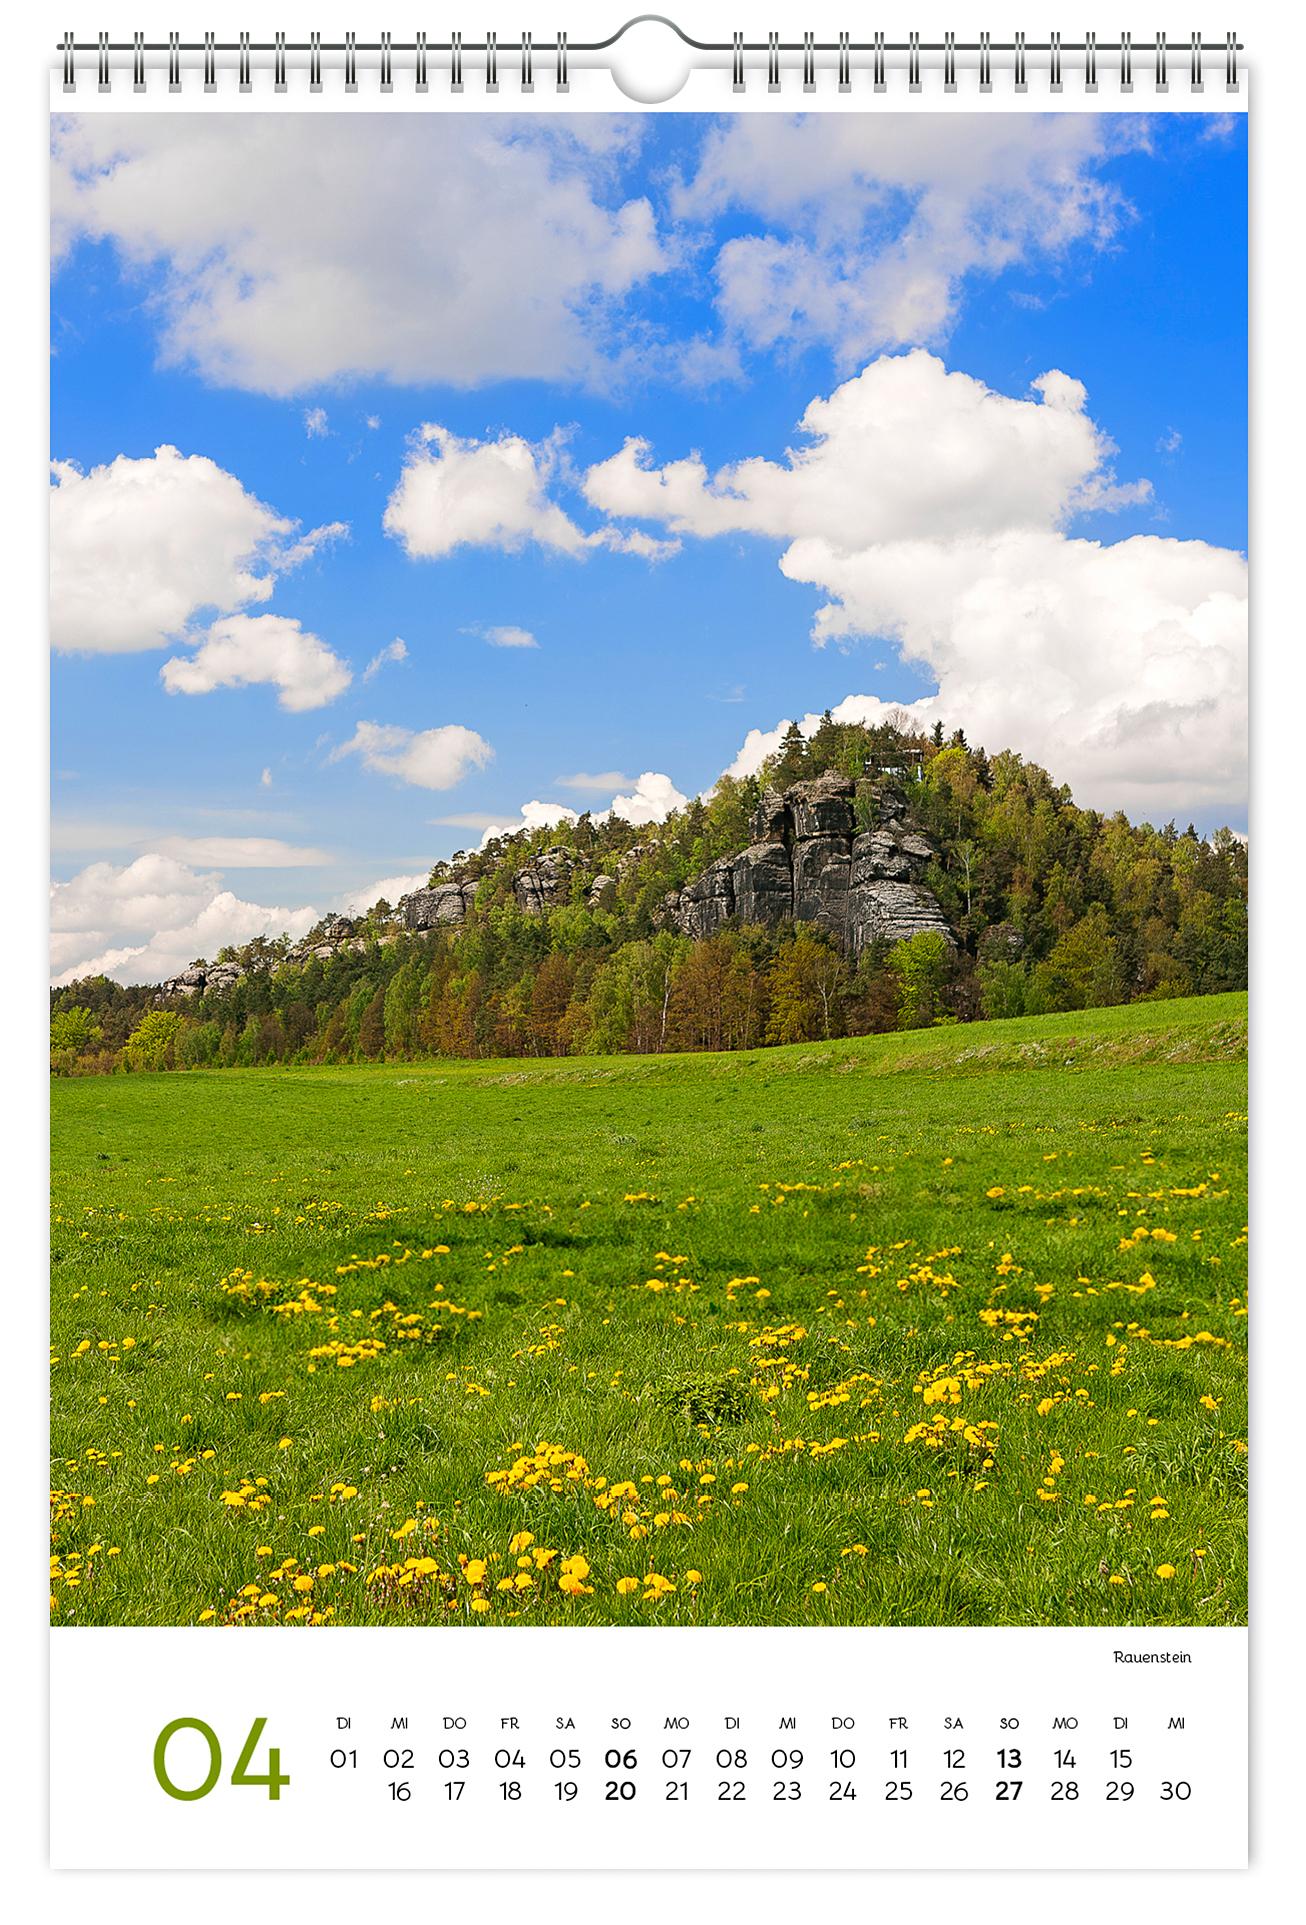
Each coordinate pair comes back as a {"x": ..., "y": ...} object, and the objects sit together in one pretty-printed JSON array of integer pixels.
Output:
[{"x": 935, "y": 1328}]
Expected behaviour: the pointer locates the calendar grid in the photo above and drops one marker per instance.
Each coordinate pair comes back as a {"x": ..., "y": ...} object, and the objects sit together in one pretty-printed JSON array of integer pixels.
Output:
[{"x": 612, "y": 1748}]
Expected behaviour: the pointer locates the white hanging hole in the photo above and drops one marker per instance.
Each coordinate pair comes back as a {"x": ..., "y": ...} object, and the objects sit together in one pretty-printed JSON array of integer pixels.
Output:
[{"x": 650, "y": 61}]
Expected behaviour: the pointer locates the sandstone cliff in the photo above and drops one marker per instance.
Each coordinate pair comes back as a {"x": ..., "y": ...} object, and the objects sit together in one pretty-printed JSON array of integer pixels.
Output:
[{"x": 807, "y": 863}]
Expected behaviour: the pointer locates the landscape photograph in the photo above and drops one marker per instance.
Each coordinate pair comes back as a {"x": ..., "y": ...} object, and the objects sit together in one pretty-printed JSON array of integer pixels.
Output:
[{"x": 648, "y": 1015}]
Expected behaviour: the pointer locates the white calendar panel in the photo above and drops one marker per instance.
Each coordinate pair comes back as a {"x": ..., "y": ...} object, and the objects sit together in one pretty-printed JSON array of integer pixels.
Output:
[{"x": 614, "y": 1748}]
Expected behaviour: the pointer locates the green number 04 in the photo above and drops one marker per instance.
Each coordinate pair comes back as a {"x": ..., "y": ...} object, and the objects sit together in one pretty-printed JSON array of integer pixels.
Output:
[{"x": 273, "y": 1778}]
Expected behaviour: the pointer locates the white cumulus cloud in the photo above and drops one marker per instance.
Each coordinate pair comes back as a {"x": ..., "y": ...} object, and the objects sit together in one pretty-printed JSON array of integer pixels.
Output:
[
  {"x": 148, "y": 919},
  {"x": 356, "y": 902},
  {"x": 242, "y": 650},
  {"x": 413, "y": 248},
  {"x": 861, "y": 231},
  {"x": 904, "y": 448},
  {"x": 426, "y": 758},
  {"x": 533, "y": 815},
  {"x": 652, "y": 798},
  {"x": 138, "y": 548},
  {"x": 457, "y": 492},
  {"x": 928, "y": 509},
  {"x": 1121, "y": 667}
]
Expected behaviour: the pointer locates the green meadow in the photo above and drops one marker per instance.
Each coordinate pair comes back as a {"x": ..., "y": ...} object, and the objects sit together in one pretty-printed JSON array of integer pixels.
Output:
[{"x": 943, "y": 1327}]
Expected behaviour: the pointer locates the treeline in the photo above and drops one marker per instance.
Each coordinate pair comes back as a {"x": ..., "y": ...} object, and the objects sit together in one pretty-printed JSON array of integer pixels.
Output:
[{"x": 1054, "y": 907}]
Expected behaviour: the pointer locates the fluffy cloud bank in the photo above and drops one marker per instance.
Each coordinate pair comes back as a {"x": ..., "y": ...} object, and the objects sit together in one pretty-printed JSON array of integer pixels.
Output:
[
  {"x": 1121, "y": 667},
  {"x": 854, "y": 233},
  {"x": 244, "y": 650},
  {"x": 149, "y": 919},
  {"x": 930, "y": 510},
  {"x": 411, "y": 247},
  {"x": 427, "y": 758},
  {"x": 652, "y": 798},
  {"x": 139, "y": 547},
  {"x": 456, "y": 493},
  {"x": 905, "y": 448},
  {"x": 865, "y": 228},
  {"x": 356, "y": 902},
  {"x": 533, "y": 815}
]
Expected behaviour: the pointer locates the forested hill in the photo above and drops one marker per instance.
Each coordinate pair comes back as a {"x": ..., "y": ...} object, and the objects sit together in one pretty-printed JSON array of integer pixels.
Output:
[{"x": 863, "y": 880}]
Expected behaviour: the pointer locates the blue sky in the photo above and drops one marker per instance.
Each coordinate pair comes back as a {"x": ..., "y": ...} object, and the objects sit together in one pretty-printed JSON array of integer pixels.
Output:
[{"x": 662, "y": 279}]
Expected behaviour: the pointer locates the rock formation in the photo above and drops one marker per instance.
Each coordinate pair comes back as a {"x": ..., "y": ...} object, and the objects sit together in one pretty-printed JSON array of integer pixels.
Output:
[
  {"x": 544, "y": 881},
  {"x": 447, "y": 902},
  {"x": 806, "y": 863},
  {"x": 201, "y": 979},
  {"x": 337, "y": 933}
]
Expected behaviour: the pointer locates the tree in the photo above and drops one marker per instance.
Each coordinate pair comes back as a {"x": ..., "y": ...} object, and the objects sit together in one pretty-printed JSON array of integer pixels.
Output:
[
  {"x": 401, "y": 1009},
  {"x": 791, "y": 763},
  {"x": 197, "y": 1046},
  {"x": 1003, "y": 987},
  {"x": 1054, "y": 907},
  {"x": 152, "y": 1043},
  {"x": 922, "y": 965},
  {"x": 967, "y": 854},
  {"x": 1083, "y": 970},
  {"x": 73, "y": 1031},
  {"x": 715, "y": 998},
  {"x": 548, "y": 1005},
  {"x": 807, "y": 987},
  {"x": 371, "y": 1027},
  {"x": 512, "y": 1019},
  {"x": 455, "y": 1015}
]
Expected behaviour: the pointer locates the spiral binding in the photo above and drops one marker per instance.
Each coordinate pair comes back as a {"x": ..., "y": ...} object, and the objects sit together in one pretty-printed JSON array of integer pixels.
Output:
[{"x": 1092, "y": 59}]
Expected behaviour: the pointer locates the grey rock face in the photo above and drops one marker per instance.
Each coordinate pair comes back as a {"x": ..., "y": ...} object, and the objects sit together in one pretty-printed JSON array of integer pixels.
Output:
[
  {"x": 763, "y": 882},
  {"x": 633, "y": 856},
  {"x": 771, "y": 819},
  {"x": 434, "y": 908},
  {"x": 889, "y": 854},
  {"x": 821, "y": 871},
  {"x": 602, "y": 893},
  {"x": 221, "y": 976},
  {"x": 337, "y": 935},
  {"x": 198, "y": 980},
  {"x": 806, "y": 864},
  {"x": 822, "y": 808},
  {"x": 888, "y": 902},
  {"x": 708, "y": 903},
  {"x": 885, "y": 911},
  {"x": 890, "y": 802},
  {"x": 545, "y": 881}
]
